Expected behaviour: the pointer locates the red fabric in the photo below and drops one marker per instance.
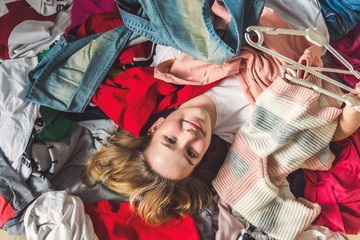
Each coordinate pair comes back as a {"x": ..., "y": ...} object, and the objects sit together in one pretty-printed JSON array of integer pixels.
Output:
[
  {"x": 102, "y": 22},
  {"x": 115, "y": 221},
  {"x": 6, "y": 211},
  {"x": 97, "y": 23},
  {"x": 19, "y": 11},
  {"x": 348, "y": 46},
  {"x": 82, "y": 9},
  {"x": 130, "y": 98},
  {"x": 133, "y": 96},
  {"x": 136, "y": 53},
  {"x": 338, "y": 190}
]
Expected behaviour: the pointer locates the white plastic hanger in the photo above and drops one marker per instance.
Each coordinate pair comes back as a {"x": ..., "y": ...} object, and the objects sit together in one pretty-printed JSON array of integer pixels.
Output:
[{"x": 317, "y": 38}]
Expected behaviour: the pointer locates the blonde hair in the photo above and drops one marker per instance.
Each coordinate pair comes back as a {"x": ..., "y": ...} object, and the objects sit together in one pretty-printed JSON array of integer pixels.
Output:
[{"x": 121, "y": 166}]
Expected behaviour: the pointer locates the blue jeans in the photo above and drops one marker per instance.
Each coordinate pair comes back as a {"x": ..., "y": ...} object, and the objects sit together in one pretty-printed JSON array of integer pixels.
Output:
[
  {"x": 68, "y": 76},
  {"x": 340, "y": 16},
  {"x": 187, "y": 25}
]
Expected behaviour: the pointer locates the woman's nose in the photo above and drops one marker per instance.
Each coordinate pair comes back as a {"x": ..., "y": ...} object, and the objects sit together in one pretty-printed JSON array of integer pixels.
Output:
[{"x": 188, "y": 135}]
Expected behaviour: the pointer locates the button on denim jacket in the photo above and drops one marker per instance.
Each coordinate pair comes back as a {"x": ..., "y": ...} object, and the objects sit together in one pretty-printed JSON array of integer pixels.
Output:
[{"x": 68, "y": 76}]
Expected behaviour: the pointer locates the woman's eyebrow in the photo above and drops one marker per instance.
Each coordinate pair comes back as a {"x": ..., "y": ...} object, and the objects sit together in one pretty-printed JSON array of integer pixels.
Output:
[{"x": 172, "y": 147}]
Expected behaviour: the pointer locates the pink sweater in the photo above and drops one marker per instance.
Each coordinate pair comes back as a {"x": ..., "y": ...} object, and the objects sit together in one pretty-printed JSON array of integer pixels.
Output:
[{"x": 290, "y": 129}]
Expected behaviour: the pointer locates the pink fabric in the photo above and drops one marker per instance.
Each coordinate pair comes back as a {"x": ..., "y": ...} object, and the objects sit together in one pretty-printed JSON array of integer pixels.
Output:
[
  {"x": 222, "y": 16},
  {"x": 349, "y": 47},
  {"x": 82, "y": 9},
  {"x": 246, "y": 179},
  {"x": 338, "y": 189},
  {"x": 255, "y": 70},
  {"x": 229, "y": 226},
  {"x": 188, "y": 70}
]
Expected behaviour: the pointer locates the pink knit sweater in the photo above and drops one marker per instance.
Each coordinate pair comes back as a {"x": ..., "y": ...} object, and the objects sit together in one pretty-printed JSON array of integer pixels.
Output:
[{"x": 291, "y": 128}]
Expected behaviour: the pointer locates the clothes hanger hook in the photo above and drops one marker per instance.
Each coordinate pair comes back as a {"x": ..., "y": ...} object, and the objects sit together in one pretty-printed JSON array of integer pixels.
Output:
[
  {"x": 292, "y": 72},
  {"x": 315, "y": 37},
  {"x": 259, "y": 34}
]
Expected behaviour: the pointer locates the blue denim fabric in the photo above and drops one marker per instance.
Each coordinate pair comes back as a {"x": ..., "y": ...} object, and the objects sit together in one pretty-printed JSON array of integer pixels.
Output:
[
  {"x": 188, "y": 25},
  {"x": 340, "y": 16},
  {"x": 68, "y": 76}
]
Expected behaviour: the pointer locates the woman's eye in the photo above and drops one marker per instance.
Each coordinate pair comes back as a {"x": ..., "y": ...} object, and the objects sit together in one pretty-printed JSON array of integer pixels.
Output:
[
  {"x": 170, "y": 140},
  {"x": 191, "y": 154}
]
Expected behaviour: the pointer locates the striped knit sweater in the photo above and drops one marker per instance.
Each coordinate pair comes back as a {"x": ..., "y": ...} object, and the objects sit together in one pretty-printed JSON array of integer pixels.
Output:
[{"x": 291, "y": 128}]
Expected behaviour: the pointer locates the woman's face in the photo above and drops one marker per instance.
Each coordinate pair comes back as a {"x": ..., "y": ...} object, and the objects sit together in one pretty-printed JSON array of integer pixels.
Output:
[{"x": 179, "y": 142}]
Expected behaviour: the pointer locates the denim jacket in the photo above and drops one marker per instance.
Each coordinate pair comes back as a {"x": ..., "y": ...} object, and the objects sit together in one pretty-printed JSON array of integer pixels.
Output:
[
  {"x": 340, "y": 16},
  {"x": 187, "y": 25},
  {"x": 68, "y": 76}
]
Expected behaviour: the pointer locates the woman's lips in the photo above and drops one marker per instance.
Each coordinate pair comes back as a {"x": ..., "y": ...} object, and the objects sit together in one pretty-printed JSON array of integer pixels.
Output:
[{"x": 195, "y": 125}]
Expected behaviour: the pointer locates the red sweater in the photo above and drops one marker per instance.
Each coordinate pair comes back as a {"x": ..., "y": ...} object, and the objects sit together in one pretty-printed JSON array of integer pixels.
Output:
[
  {"x": 132, "y": 97},
  {"x": 115, "y": 221}
]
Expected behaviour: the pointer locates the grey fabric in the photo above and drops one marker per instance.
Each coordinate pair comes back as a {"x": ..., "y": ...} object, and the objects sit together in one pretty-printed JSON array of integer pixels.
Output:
[
  {"x": 59, "y": 166},
  {"x": 14, "y": 190}
]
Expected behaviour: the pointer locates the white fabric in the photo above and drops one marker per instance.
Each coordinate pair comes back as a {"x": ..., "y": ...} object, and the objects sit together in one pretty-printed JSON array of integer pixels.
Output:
[
  {"x": 49, "y": 7},
  {"x": 233, "y": 110},
  {"x": 101, "y": 130},
  {"x": 3, "y": 8},
  {"x": 30, "y": 38},
  {"x": 17, "y": 116},
  {"x": 300, "y": 14},
  {"x": 320, "y": 233},
  {"x": 163, "y": 53},
  {"x": 58, "y": 215}
]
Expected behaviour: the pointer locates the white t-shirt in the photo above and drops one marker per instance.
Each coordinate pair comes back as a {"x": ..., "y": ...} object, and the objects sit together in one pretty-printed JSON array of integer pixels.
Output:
[
  {"x": 233, "y": 110},
  {"x": 164, "y": 53},
  {"x": 17, "y": 116}
]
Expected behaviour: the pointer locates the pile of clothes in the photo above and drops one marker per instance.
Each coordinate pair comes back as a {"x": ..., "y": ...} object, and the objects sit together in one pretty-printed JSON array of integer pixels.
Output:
[{"x": 73, "y": 72}]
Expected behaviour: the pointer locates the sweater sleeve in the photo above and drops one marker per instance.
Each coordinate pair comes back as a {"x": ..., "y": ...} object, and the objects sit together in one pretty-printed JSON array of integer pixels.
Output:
[{"x": 290, "y": 124}]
